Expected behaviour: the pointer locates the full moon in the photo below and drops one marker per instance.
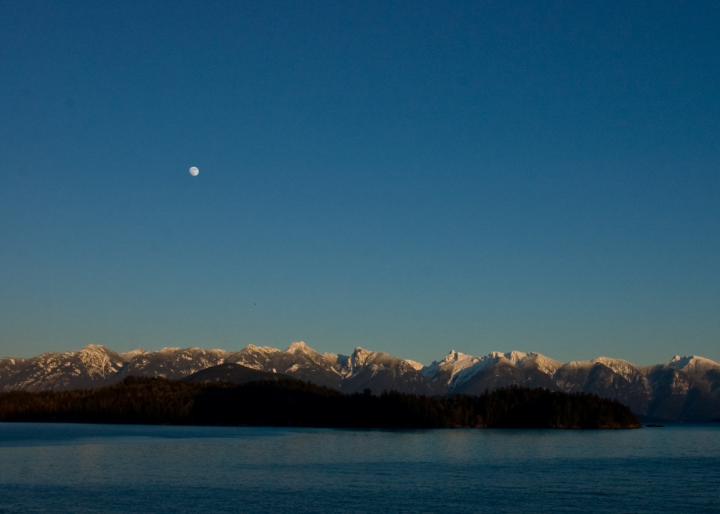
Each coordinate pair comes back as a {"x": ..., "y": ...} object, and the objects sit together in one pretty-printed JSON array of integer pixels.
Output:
[{"x": 194, "y": 171}]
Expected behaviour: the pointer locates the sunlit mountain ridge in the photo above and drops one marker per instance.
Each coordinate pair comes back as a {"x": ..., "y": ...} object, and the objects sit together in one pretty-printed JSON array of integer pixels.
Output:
[{"x": 685, "y": 388}]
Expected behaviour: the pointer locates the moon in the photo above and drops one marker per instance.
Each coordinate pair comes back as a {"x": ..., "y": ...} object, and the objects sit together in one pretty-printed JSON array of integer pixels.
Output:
[{"x": 194, "y": 171}]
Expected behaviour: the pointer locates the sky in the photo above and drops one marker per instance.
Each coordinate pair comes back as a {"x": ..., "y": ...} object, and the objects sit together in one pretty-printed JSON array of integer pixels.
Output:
[{"x": 408, "y": 177}]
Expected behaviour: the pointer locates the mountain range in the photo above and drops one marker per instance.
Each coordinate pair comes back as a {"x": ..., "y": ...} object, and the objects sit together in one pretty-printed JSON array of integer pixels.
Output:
[{"x": 683, "y": 389}]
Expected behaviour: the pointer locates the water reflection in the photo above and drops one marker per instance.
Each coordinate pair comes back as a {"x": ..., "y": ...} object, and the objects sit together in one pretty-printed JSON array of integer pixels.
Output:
[{"x": 158, "y": 469}]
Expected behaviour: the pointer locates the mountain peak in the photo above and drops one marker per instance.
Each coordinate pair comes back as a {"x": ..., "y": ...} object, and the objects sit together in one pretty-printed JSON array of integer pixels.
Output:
[
  {"x": 415, "y": 365},
  {"x": 513, "y": 356},
  {"x": 454, "y": 356},
  {"x": 692, "y": 364},
  {"x": 545, "y": 364},
  {"x": 251, "y": 348},
  {"x": 661, "y": 391},
  {"x": 93, "y": 346},
  {"x": 128, "y": 356},
  {"x": 359, "y": 357},
  {"x": 608, "y": 360},
  {"x": 299, "y": 346},
  {"x": 680, "y": 362},
  {"x": 97, "y": 360}
]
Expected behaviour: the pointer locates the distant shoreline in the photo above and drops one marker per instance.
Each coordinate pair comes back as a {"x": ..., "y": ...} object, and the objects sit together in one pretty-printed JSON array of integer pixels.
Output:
[
  {"x": 294, "y": 403},
  {"x": 647, "y": 390}
]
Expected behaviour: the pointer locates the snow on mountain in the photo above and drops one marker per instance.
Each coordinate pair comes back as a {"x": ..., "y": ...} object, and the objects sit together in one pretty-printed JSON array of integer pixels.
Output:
[
  {"x": 681, "y": 374},
  {"x": 8, "y": 367},
  {"x": 379, "y": 371},
  {"x": 621, "y": 367},
  {"x": 88, "y": 367},
  {"x": 99, "y": 360},
  {"x": 446, "y": 369},
  {"x": 609, "y": 378},
  {"x": 255, "y": 357},
  {"x": 340, "y": 363},
  {"x": 693, "y": 365},
  {"x": 458, "y": 371},
  {"x": 577, "y": 369},
  {"x": 300, "y": 347},
  {"x": 234, "y": 373},
  {"x": 416, "y": 365},
  {"x": 127, "y": 356},
  {"x": 499, "y": 369},
  {"x": 538, "y": 361},
  {"x": 172, "y": 363},
  {"x": 298, "y": 361},
  {"x": 300, "y": 351},
  {"x": 685, "y": 388},
  {"x": 571, "y": 376}
]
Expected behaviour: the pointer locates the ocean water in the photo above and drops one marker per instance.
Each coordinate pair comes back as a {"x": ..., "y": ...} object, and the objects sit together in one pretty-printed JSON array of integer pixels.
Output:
[{"x": 149, "y": 469}]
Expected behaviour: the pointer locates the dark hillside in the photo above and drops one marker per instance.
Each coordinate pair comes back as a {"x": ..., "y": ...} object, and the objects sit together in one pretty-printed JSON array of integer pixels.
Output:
[
  {"x": 233, "y": 373},
  {"x": 297, "y": 403}
]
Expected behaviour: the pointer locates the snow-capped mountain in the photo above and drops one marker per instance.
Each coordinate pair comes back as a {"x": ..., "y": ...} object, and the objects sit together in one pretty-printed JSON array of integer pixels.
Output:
[
  {"x": 233, "y": 373},
  {"x": 465, "y": 374},
  {"x": 444, "y": 372},
  {"x": 609, "y": 378},
  {"x": 379, "y": 372},
  {"x": 298, "y": 361},
  {"x": 364, "y": 369},
  {"x": 172, "y": 363},
  {"x": 685, "y": 388},
  {"x": 92, "y": 366}
]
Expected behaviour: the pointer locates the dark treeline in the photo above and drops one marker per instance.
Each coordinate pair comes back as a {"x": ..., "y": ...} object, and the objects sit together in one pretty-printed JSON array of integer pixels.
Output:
[{"x": 297, "y": 403}]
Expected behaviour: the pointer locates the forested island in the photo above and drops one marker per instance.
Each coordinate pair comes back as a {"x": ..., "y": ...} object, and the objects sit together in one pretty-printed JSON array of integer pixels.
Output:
[{"x": 294, "y": 403}]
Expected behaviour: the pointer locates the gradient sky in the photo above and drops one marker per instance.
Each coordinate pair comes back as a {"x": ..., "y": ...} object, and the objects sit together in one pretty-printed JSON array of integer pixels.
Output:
[{"x": 410, "y": 177}]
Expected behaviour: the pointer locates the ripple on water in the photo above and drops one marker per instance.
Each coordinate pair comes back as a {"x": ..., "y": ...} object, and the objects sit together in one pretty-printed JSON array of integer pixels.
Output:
[{"x": 113, "y": 468}]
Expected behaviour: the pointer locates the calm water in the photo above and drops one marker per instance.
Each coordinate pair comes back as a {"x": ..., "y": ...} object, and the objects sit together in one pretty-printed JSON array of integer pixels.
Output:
[{"x": 111, "y": 468}]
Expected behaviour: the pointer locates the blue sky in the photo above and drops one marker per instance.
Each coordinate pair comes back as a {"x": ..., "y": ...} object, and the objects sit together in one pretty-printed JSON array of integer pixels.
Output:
[{"x": 411, "y": 177}]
